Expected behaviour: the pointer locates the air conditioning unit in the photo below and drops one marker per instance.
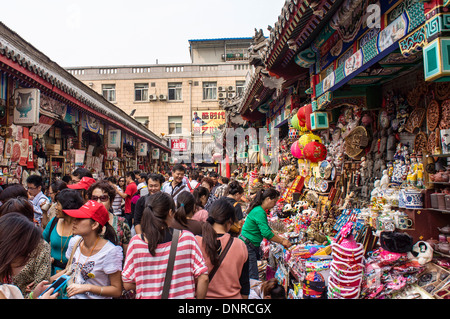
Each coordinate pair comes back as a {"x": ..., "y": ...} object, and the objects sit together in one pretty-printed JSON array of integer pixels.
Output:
[
  {"x": 221, "y": 89},
  {"x": 162, "y": 97},
  {"x": 231, "y": 95},
  {"x": 222, "y": 95},
  {"x": 222, "y": 103},
  {"x": 152, "y": 97},
  {"x": 231, "y": 88}
]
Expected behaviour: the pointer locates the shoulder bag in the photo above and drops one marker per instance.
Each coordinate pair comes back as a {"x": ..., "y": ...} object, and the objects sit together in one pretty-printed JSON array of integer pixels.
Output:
[
  {"x": 170, "y": 264},
  {"x": 221, "y": 257}
]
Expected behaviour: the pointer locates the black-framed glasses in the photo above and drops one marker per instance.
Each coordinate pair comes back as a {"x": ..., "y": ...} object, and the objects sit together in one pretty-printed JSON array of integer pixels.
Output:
[{"x": 103, "y": 198}]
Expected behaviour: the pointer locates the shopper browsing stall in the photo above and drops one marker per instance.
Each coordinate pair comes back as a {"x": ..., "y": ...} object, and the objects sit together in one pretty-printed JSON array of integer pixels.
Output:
[{"x": 256, "y": 227}]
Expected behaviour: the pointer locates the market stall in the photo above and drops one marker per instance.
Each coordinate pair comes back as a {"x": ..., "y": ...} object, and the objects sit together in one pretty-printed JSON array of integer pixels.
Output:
[{"x": 363, "y": 168}]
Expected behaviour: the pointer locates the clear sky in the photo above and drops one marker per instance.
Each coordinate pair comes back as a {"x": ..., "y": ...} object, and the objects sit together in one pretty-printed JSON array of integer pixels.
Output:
[{"x": 112, "y": 32}]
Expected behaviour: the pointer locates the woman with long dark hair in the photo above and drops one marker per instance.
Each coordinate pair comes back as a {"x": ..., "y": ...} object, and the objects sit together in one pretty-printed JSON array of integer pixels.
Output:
[
  {"x": 19, "y": 241},
  {"x": 228, "y": 266},
  {"x": 59, "y": 230},
  {"x": 53, "y": 190},
  {"x": 103, "y": 192},
  {"x": 38, "y": 266},
  {"x": 148, "y": 255},
  {"x": 256, "y": 227},
  {"x": 183, "y": 214},
  {"x": 201, "y": 195}
]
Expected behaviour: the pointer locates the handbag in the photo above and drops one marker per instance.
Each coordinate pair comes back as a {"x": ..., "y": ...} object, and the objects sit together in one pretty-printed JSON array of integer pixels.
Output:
[
  {"x": 237, "y": 226},
  {"x": 221, "y": 257},
  {"x": 170, "y": 264}
]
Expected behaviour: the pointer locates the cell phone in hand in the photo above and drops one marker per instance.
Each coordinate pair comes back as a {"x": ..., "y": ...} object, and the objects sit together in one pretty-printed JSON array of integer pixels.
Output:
[{"x": 57, "y": 284}]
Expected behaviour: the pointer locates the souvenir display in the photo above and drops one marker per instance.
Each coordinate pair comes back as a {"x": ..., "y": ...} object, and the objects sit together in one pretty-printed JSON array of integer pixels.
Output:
[{"x": 365, "y": 192}]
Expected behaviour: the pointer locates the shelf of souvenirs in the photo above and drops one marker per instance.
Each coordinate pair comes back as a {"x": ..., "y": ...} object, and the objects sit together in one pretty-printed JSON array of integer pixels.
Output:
[{"x": 438, "y": 155}]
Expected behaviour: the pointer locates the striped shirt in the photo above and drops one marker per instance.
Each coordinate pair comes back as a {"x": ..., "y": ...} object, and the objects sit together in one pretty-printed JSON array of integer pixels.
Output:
[
  {"x": 148, "y": 271},
  {"x": 117, "y": 202}
]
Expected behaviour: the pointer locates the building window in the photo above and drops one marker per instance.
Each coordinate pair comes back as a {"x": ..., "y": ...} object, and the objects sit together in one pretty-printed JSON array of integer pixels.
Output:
[
  {"x": 141, "y": 92},
  {"x": 240, "y": 86},
  {"x": 109, "y": 92},
  {"x": 143, "y": 120},
  {"x": 175, "y": 124},
  {"x": 209, "y": 90},
  {"x": 175, "y": 91}
]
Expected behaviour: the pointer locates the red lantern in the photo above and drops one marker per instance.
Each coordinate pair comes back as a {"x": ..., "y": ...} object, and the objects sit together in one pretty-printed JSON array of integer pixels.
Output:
[
  {"x": 315, "y": 151},
  {"x": 308, "y": 111},
  {"x": 301, "y": 116}
]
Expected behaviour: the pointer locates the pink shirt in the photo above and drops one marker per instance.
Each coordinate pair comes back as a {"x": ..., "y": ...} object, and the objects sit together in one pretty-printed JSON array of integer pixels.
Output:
[
  {"x": 148, "y": 271},
  {"x": 225, "y": 283}
]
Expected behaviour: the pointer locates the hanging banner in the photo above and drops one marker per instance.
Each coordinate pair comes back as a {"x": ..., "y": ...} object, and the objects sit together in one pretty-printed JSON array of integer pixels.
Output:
[
  {"x": 142, "y": 149},
  {"x": 79, "y": 157},
  {"x": 155, "y": 153},
  {"x": 26, "y": 106},
  {"x": 114, "y": 138},
  {"x": 92, "y": 124},
  {"x": 71, "y": 115},
  {"x": 52, "y": 107},
  {"x": 45, "y": 123}
]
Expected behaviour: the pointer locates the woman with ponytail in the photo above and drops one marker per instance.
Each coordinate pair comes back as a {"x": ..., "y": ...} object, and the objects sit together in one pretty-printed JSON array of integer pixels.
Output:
[
  {"x": 148, "y": 254},
  {"x": 201, "y": 195},
  {"x": 227, "y": 267},
  {"x": 185, "y": 207},
  {"x": 256, "y": 227}
]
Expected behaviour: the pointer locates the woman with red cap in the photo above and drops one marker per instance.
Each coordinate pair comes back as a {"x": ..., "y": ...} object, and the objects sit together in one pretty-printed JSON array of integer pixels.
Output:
[{"x": 95, "y": 262}]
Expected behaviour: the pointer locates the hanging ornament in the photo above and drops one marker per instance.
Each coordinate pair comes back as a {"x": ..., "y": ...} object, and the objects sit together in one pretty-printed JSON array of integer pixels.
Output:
[
  {"x": 301, "y": 116},
  {"x": 295, "y": 150},
  {"x": 315, "y": 151},
  {"x": 295, "y": 122}
]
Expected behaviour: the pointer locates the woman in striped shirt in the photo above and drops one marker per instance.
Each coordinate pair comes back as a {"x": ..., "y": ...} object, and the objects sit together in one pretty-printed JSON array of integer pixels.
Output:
[{"x": 148, "y": 254}]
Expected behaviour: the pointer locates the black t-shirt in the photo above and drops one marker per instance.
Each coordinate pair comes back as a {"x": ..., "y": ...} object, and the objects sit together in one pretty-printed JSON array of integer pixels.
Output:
[
  {"x": 237, "y": 208},
  {"x": 139, "y": 209}
]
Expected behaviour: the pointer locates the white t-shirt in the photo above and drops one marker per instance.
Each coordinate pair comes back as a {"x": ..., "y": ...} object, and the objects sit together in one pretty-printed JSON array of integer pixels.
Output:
[{"x": 94, "y": 270}]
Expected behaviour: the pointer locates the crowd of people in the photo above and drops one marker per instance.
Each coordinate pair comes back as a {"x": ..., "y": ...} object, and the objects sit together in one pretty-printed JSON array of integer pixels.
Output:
[{"x": 179, "y": 235}]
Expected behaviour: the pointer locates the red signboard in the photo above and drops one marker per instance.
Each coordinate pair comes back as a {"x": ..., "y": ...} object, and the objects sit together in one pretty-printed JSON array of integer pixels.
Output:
[{"x": 178, "y": 144}]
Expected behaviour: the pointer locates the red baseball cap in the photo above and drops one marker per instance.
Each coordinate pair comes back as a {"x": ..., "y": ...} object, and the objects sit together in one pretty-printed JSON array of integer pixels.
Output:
[
  {"x": 84, "y": 183},
  {"x": 92, "y": 209}
]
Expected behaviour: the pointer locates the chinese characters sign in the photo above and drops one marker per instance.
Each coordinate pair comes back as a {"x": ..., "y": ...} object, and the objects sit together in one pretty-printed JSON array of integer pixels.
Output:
[
  {"x": 207, "y": 122},
  {"x": 178, "y": 145}
]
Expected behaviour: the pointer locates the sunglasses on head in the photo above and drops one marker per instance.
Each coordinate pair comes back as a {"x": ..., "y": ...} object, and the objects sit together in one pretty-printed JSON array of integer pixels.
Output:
[{"x": 103, "y": 198}]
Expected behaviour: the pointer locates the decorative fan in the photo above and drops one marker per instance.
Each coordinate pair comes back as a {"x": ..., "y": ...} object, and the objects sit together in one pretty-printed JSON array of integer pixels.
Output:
[
  {"x": 420, "y": 142},
  {"x": 445, "y": 115},
  {"x": 413, "y": 97},
  {"x": 432, "y": 142},
  {"x": 415, "y": 120},
  {"x": 433, "y": 115},
  {"x": 442, "y": 90}
]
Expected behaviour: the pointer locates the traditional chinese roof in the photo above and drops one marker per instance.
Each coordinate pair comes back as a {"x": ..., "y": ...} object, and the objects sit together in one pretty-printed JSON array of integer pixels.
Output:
[
  {"x": 298, "y": 23},
  {"x": 25, "y": 62}
]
